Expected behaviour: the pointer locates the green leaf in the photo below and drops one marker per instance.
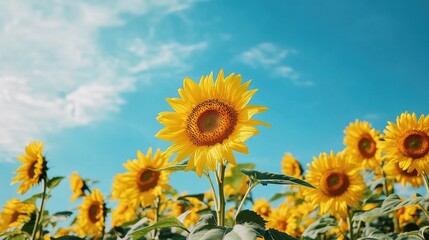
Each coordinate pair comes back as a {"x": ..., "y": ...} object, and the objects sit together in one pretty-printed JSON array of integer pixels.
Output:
[
  {"x": 248, "y": 216},
  {"x": 272, "y": 178},
  {"x": 237, "y": 175},
  {"x": 280, "y": 195},
  {"x": 53, "y": 182},
  {"x": 273, "y": 234},
  {"x": 321, "y": 226},
  {"x": 174, "y": 168},
  {"x": 28, "y": 226},
  {"x": 368, "y": 215},
  {"x": 33, "y": 198},
  {"x": 197, "y": 196},
  {"x": 61, "y": 216},
  {"x": 245, "y": 231},
  {"x": 207, "y": 229},
  {"x": 69, "y": 238},
  {"x": 164, "y": 223},
  {"x": 393, "y": 202}
]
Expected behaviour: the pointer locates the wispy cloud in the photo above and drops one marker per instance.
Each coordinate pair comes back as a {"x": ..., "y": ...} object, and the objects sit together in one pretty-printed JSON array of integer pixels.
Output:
[
  {"x": 164, "y": 55},
  {"x": 272, "y": 58},
  {"x": 53, "y": 73},
  {"x": 264, "y": 55}
]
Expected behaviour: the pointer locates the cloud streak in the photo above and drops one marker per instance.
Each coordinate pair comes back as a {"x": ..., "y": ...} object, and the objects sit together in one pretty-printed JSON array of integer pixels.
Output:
[
  {"x": 53, "y": 73},
  {"x": 271, "y": 57}
]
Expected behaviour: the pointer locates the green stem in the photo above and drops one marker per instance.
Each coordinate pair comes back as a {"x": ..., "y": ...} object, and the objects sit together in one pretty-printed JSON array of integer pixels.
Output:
[
  {"x": 157, "y": 204},
  {"x": 424, "y": 210},
  {"x": 358, "y": 229},
  {"x": 425, "y": 179},
  {"x": 39, "y": 214},
  {"x": 350, "y": 223},
  {"x": 220, "y": 182},
  {"x": 244, "y": 198},
  {"x": 213, "y": 191}
]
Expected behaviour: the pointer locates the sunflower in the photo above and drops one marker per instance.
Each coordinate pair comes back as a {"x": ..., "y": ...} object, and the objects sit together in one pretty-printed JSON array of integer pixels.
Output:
[
  {"x": 15, "y": 213},
  {"x": 90, "y": 220},
  {"x": 393, "y": 171},
  {"x": 338, "y": 183},
  {"x": 262, "y": 207},
  {"x": 291, "y": 166},
  {"x": 33, "y": 169},
  {"x": 408, "y": 214},
  {"x": 210, "y": 120},
  {"x": 123, "y": 213},
  {"x": 362, "y": 143},
  {"x": 407, "y": 142},
  {"x": 77, "y": 185},
  {"x": 282, "y": 219},
  {"x": 142, "y": 184}
]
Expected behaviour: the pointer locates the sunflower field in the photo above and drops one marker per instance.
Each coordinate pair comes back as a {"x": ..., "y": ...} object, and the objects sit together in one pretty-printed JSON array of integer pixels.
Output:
[{"x": 339, "y": 195}]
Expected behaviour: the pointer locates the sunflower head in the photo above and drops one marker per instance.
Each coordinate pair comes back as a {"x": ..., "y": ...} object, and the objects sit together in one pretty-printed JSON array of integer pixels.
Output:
[
  {"x": 78, "y": 186},
  {"x": 407, "y": 142},
  {"x": 362, "y": 143},
  {"x": 282, "y": 219},
  {"x": 33, "y": 168},
  {"x": 262, "y": 207},
  {"x": 338, "y": 183},
  {"x": 92, "y": 212},
  {"x": 15, "y": 213},
  {"x": 395, "y": 172},
  {"x": 291, "y": 166},
  {"x": 123, "y": 213},
  {"x": 143, "y": 183},
  {"x": 210, "y": 120}
]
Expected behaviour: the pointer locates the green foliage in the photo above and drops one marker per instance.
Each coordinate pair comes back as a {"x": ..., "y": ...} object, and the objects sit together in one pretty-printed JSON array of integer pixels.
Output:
[
  {"x": 237, "y": 175},
  {"x": 163, "y": 223},
  {"x": 174, "y": 168},
  {"x": 266, "y": 178},
  {"x": 53, "y": 182},
  {"x": 197, "y": 196},
  {"x": 394, "y": 202},
  {"x": 272, "y": 234},
  {"x": 320, "y": 227},
  {"x": 249, "y": 226}
]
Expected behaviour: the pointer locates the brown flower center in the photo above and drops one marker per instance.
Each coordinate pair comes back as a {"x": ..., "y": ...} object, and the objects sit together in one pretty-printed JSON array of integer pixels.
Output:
[
  {"x": 403, "y": 172},
  {"x": 334, "y": 183},
  {"x": 94, "y": 211},
  {"x": 147, "y": 179},
  {"x": 211, "y": 122},
  {"x": 14, "y": 217},
  {"x": 414, "y": 144},
  {"x": 367, "y": 146},
  {"x": 31, "y": 169}
]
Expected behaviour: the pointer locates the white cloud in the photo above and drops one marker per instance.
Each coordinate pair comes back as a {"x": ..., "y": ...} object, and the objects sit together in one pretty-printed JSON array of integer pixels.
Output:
[
  {"x": 264, "y": 55},
  {"x": 271, "y": 58},
  {"x": 53, "y": 73},
  {"x": 169, "y": 54}
]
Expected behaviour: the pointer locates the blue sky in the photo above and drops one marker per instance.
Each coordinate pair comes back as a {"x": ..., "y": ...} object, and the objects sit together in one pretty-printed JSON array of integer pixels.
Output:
[{"x": 89, "y": 78}]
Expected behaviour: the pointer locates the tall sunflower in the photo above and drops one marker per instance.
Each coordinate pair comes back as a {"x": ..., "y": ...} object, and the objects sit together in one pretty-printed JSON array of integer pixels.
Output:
[
  {"x": 283, "y": 219},
  {"x": 407, "y": 142},
  {"x": 142, "y": 183},
  {"x": 362, "y": 143},
  {"x": 33, "y": 169},
  {"x": 123, "y": 213},
  {"x": 90, "y": 221},
  {"x": 393, "y": 171},
  {"x": 338, "y": 183},
  {"x": 15, "y": 213},
  {"x": 209, "y": 121},
  {"x": 291, "y": 166},
  {"x": 77, "y": 185}
]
